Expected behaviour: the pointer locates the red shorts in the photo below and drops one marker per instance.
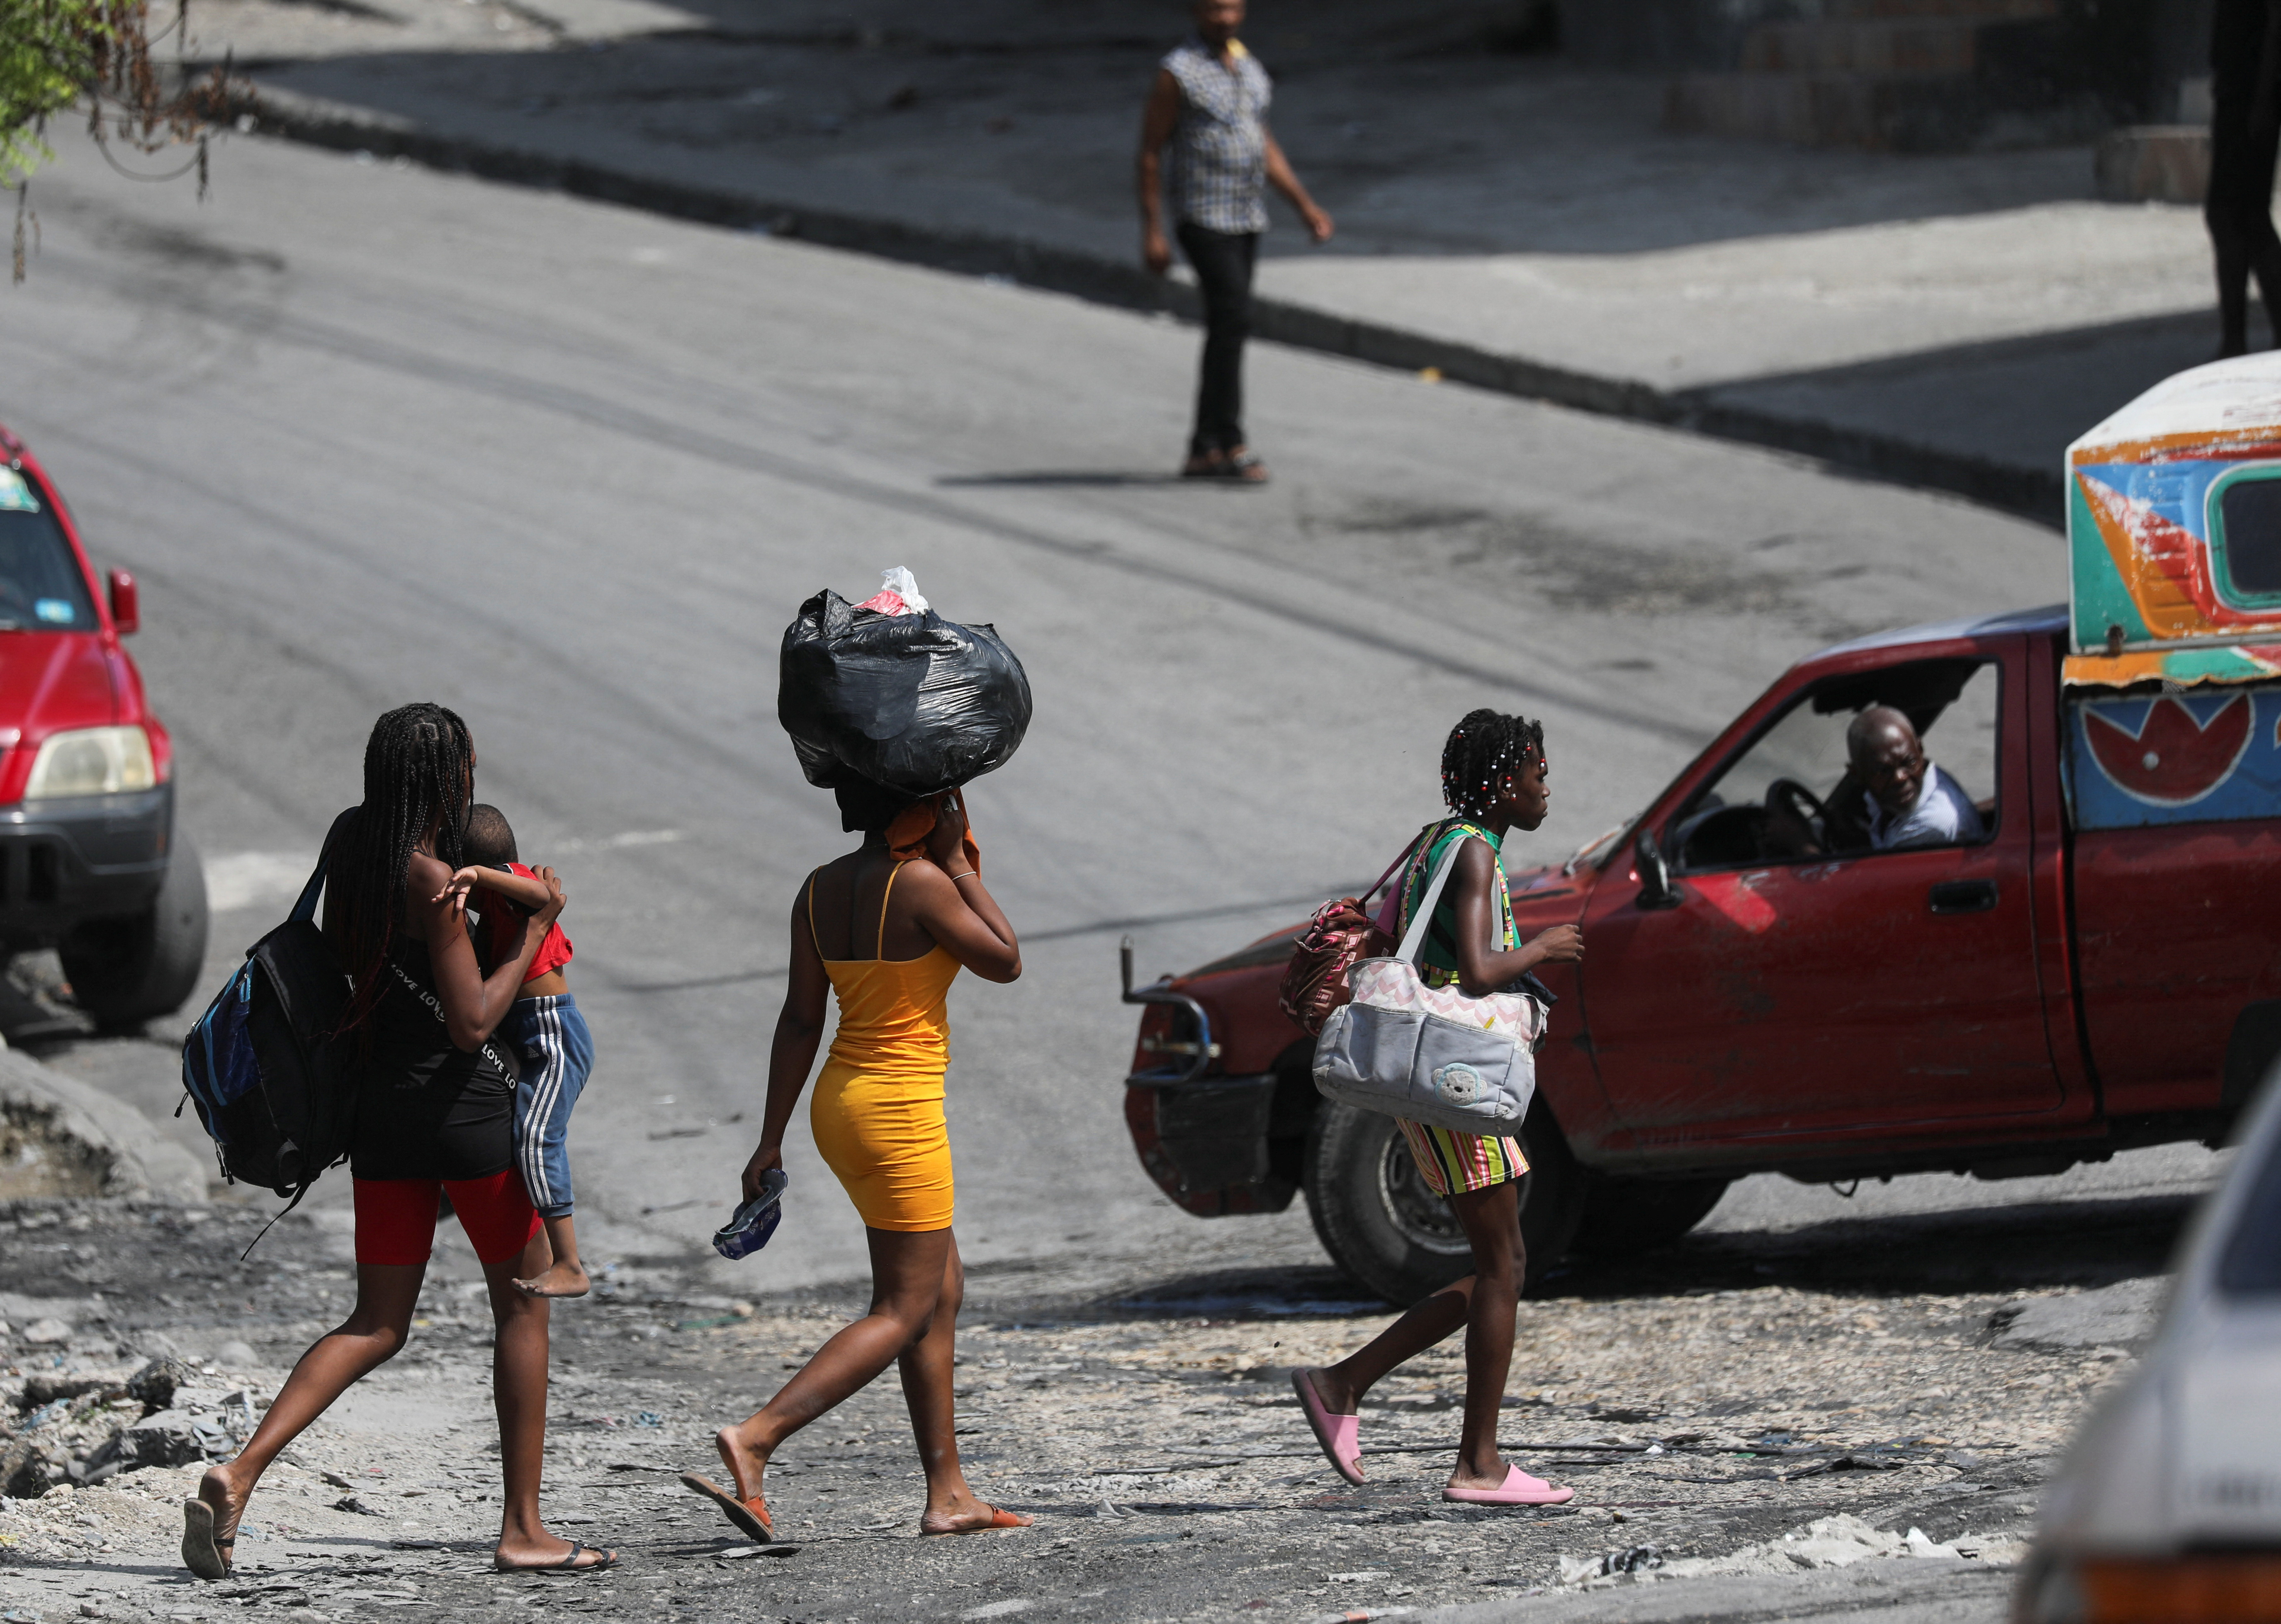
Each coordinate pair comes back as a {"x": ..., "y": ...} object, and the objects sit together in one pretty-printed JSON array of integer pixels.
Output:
[{"x": 396, "y": 1218}]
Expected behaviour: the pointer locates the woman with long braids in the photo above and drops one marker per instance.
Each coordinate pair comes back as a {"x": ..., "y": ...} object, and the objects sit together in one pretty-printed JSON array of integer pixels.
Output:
[
  {"x": 1493, "y": 771},
  {"x": 886, "y": 929},
  {"x": 434, "y": 1117}
]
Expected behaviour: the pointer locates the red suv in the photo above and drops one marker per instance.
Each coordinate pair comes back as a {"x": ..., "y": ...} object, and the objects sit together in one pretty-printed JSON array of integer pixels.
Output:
[{"x": 91, "y": 863}]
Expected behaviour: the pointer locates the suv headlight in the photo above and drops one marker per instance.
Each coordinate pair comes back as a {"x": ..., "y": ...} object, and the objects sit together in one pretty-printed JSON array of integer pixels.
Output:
[{"x": 92, "y": 760}]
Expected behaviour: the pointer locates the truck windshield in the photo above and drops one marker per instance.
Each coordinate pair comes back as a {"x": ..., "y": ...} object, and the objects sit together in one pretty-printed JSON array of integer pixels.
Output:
[{"x": 41, "y": 587}]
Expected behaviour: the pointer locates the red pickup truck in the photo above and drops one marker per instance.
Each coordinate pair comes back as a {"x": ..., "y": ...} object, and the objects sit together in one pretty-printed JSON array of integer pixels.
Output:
[
  {"x": 2087, "y": 961},
  {"x": 2079, "y": 980}
]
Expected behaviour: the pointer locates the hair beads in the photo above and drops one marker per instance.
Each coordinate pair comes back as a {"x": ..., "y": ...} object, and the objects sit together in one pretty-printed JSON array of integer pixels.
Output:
[{"x": 1483, "y": 750}]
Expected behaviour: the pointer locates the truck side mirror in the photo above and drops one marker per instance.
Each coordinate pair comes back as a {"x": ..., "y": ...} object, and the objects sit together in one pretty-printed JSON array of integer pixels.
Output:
[
  {"x": 126, "y": 603},
  {"x": 1656, "y": 890}
]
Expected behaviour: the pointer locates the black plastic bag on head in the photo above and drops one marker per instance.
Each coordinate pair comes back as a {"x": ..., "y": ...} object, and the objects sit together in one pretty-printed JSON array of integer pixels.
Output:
[{"x": 912, "y": 702}]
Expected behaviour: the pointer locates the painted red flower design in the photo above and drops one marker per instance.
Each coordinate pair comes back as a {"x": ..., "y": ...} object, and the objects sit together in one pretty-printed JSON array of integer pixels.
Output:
[{"x": 2172, "y": 759}]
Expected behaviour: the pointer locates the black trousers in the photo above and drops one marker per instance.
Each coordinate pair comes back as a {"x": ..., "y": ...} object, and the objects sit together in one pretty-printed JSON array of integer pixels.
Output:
[
  {"x": 2240, "y": 214},
  {"x": 1223, "y": 262}
]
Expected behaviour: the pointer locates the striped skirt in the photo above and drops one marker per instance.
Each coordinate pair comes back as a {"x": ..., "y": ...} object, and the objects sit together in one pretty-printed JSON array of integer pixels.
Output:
[{"x": 1450, "y": 1162}]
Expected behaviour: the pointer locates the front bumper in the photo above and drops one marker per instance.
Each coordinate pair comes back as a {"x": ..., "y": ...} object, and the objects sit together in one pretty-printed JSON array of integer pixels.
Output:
[
  {"x": 63, "y": 862},
  {"x": 1208, "y": 1144},
  {"x": 1204, "y": 1139}
]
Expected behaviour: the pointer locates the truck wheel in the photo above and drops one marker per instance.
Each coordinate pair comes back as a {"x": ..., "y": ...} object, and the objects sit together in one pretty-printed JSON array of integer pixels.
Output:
[
  {"x": 126, "y": 971},
  {"x": 1625, "y": 1216},
  {"x": 1381, "y": 1225}
]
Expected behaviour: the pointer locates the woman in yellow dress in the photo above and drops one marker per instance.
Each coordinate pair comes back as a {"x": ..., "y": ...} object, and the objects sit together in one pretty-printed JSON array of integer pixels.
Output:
[{"x": 886, "y": 928}]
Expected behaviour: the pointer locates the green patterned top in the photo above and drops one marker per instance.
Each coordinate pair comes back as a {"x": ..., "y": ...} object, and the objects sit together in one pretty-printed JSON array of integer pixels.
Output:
[{"x": 1437, "y": 958}]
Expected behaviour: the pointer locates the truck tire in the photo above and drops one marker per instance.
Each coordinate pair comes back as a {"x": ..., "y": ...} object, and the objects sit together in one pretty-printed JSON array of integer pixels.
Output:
[
  {"x": 126, "y": 971},
  {"x": 1381, "y": 1225},
  {"x": 1622, "y": 1217}
]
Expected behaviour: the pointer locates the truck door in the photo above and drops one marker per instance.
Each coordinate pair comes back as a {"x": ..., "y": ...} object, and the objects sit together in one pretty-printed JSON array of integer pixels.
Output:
[{"x": 1802, "y": 986}]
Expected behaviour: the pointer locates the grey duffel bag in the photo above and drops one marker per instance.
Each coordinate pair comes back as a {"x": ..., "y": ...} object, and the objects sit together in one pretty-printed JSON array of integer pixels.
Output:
[{"x": 1430, "y": 1053}]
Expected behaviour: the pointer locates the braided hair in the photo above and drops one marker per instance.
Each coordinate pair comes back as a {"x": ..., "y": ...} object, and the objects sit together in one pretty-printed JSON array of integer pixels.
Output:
[
  {"x": 419, "y": 768},
  {"x": 1482, "y": 752}
]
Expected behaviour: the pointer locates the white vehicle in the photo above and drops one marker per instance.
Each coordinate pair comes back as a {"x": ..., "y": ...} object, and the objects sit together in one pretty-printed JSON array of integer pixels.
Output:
[{"x": 2169, "y": 1508}]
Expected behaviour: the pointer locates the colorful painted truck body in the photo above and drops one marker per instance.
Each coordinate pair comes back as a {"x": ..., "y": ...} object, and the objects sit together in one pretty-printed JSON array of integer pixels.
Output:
[
  {"x": 2093, "y": 968},
  {"x": 2174, "y": 544}
]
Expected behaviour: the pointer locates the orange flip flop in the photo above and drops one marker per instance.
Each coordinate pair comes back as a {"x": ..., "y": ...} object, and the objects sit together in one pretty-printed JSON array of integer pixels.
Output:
[
  {"x": 998, "y": 1519},
  {"x": 750, "y": 1516}
]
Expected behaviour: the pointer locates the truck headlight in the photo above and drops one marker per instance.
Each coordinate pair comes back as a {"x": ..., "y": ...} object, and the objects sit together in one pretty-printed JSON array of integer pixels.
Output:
[{"x": 92, "y": 760}]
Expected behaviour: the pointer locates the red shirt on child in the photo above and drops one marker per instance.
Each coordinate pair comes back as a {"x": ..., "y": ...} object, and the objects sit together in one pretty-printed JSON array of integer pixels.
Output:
[{"x": 505, "y": 927}]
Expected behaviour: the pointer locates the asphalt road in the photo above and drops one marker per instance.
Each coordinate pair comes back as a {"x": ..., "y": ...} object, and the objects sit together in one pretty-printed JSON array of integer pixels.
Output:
[{"x": 369, "y": 434}]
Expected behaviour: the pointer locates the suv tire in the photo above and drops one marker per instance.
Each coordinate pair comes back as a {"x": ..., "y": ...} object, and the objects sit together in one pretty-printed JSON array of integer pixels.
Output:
[
  {"x": 1381, "y": 1225},
  {"x": 126, "y": 971},
  {"x": 1623, "y": 1217}
]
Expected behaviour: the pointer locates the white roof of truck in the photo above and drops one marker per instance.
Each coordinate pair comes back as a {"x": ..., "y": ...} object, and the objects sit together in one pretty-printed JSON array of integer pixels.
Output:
[{"x": 2223, "y": 398}]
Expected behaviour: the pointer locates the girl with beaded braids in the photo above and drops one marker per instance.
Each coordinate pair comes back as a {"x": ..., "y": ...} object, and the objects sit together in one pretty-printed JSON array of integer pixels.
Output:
[
  {"x": 435, "y": 1116},
  {"x": 1493, "y": 771}
]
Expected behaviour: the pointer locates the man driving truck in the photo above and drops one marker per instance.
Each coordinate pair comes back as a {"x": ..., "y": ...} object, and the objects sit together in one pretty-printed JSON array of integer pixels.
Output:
[{"x": 1891, "y": 798}]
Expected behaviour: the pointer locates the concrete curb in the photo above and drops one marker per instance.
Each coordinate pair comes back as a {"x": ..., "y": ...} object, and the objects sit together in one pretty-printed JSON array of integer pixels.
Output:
[
  {"x": 2037, "y": 494},
  {"x": 87, "y": 1139}
]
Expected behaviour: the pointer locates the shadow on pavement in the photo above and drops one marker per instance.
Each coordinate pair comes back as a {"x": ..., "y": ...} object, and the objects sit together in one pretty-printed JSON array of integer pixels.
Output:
[
  {"x": 1971, "y": 1250},
  {"x": 1990, "y": 420},
  {"x": 1984, "y": 1250},
  {"x": 1242, "y": 1294},
  {"x": 1081, "y": 478}
]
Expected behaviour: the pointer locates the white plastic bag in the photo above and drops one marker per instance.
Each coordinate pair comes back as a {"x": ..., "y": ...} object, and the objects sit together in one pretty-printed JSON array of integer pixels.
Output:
[{"x": 898, "y": 594}]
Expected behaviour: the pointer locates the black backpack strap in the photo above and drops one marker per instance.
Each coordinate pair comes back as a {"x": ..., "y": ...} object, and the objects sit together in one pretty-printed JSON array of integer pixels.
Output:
[
  {"x": 305, "y": 908},
  {"x": 272, "y": 1223}
]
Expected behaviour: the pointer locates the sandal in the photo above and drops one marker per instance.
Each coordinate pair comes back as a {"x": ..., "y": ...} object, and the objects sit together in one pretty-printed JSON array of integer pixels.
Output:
[
  {"x": 1243, "y": 465},
  {"x": 1519, "y": 1489},
  {"x": 604, "y": 1560},
  {"x": 1206, "y": 464},
  {"x": 751, "y": 1516},
  {"x": 998, "y": 1519},
  {"x": 1340, "y": 1436},
  {"x": 203, "y": 1553}
]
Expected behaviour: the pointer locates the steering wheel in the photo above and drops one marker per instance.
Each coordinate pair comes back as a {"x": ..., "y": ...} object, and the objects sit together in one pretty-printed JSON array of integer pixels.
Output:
[{"x": 1789, "y": 796}]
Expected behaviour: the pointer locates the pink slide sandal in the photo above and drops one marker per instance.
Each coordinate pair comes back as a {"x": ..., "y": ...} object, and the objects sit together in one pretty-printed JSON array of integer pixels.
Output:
[
  {"x": 1519, "y": 1489},
  {"x": 1340, "y": 1435}
]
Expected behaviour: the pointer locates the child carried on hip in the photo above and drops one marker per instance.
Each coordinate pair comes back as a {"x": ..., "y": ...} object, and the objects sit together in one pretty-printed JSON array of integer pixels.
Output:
[{"x": 544, "y": 1029}]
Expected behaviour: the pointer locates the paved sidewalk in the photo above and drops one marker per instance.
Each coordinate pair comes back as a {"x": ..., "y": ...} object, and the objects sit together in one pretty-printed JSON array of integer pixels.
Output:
[{"x": 1951, "y": 320}]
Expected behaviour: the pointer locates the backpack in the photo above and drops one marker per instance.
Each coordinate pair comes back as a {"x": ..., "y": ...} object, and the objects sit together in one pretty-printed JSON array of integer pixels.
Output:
[{"x": 275, "y": 1086}]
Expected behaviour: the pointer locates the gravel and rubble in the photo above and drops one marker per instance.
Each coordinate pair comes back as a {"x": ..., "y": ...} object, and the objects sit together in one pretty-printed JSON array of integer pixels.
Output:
[
  {"x": 1738, "y": 1405},
  {"x": 82, "y": 1428}
]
